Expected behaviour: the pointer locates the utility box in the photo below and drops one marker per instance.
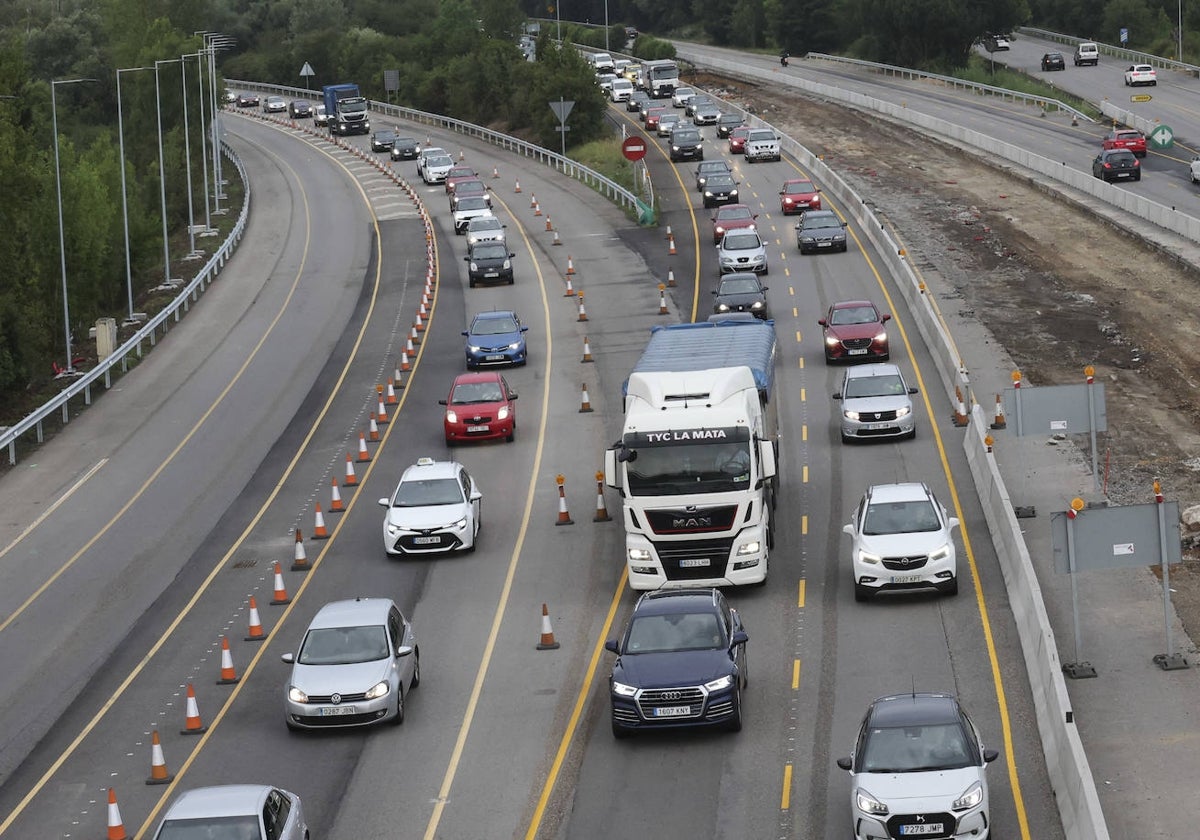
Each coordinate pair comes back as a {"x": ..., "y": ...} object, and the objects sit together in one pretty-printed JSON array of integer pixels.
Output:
[{"x": 106, "y": 337}]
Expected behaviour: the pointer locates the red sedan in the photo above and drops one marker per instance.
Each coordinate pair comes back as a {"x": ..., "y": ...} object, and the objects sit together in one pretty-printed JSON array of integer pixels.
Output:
[
  {"x": 854, "y": 330},
  {"x": 797, "y": 195},
  {"x": 737, "y": 140},
  {"x": 480, "y": 407},
  {"x": 731, "y": 217}
]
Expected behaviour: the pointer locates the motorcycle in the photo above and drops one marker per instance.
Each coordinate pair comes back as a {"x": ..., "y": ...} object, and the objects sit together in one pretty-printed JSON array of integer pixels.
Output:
[{"x": 783, "y": 59}]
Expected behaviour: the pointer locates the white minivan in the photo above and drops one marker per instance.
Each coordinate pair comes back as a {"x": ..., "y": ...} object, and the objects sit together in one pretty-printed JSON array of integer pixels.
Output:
[{"x": 1087, "y": 53}]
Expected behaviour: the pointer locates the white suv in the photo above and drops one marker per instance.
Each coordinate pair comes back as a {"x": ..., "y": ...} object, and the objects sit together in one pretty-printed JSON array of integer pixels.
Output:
[
  {"x": 1140, "y": 74},
  {"x": 900, "y": 540},
  {"x": 1087, "y": 53}
]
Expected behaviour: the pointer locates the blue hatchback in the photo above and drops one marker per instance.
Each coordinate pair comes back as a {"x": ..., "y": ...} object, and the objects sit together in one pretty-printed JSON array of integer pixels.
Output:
[{"x": 495, "y": 338}]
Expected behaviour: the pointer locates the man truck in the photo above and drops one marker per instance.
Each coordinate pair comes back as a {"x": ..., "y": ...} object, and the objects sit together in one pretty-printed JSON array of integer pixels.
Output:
[
  {"x": 346, "y": 110},
  {"x": 696, "y": 465}
]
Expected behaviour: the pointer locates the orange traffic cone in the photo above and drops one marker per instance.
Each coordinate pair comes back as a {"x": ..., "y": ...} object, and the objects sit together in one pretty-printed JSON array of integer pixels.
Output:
[
  {"x": 547, "y": 641},
  {"x": 299, "y": 557},
  {"x": 601, "y": 510},
  {"x": 999, "y": 422},
  {"x": 556, "y": 241},
  {"x": 404, "y": 360},
  {"x": 495, "y": 172},
  {"x": 960, "y": 408},
  {"x": 419, "y": 323},
  {"x": 587, "y": 351},
  {"x": 228, "y": 674},
  {"x": 255, "y": 632},
  {"x": 391, "y": 392},
  {"x": 192, "y": 724},
  {"x": 116, "y": 829},
  {"x": 570, "y": 265},
  {"x": 351, "y": 479},
  {"x": 582, "y": 311},
  {"x": 381, "y": 415},
  {"x": 518, "y": 189},
  {"x": 585, "y": 405},
  {"x": 671, "y": 246},
  {"x": 373, "y": 429},
  {"x": 570, "y": 292},
  {"x": 159, "y": 775},
  {"x": 320, "y": 532},
  {"x": 549, "y": 224},
  {"x": 564, "y": 518},
  {"x": 363, "y": 453},
  {"x": 335, "y": 504},
  {"x": 662, "y": 299},
  {"x": 532, "y": 201},
  {"x": 671, "y": 278},
  {"x": 537, "y": 209},
  {"x": 281, "y": 593},
  {"x": 414, "y": 337}
]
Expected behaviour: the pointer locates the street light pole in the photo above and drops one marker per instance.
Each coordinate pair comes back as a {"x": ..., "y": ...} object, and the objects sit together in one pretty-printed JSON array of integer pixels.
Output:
[
  {"x": 124, "y": 196},
  {"x": 1180, "y": 56},
  {"x": 162, "y": 172},
  {"x": 62, "y": 240},
  {"x": 215, "y": 41},
  {"x": 187, "y": 162},
  {"x": 606, "y": 24}
]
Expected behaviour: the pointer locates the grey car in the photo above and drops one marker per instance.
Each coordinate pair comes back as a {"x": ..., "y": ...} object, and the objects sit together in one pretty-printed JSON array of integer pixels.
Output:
[
  {"x": 225, "y": 812},
  {"x": 710, "y": 167},
  {"x": 485, "y": 229},
  {"x": 741, "y": 292},
  {"x": 706, "y": 113},
  {"x": 727, "y": 123},
  {"x": 742, "y": 250},
  {"x": 355, "y": 665},
  {"x": 876, "y": 403},
  {"x": 820, "y": 230}
]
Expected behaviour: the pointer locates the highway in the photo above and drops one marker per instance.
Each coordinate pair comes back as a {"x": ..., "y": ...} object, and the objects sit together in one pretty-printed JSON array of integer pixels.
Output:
[{"x": 248, "y": 414}]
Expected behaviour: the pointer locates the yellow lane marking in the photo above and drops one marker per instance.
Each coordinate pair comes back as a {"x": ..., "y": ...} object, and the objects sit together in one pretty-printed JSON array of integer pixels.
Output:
[
  {"x": 795, "y": 674},
  {"x": 785, "y": 801},
  {"x": 800, "y": 593}
]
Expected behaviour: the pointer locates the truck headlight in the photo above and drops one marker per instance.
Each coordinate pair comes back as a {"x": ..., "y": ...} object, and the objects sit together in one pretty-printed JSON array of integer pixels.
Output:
[
  {"x": 638, "y": 555},
  {"x": 752, "y": 547}
]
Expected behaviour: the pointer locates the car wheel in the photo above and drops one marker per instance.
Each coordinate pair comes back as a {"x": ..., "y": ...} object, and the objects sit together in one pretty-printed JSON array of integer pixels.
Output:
[
  {"x": 471, "y": 283},
  {"x": 951, "y": 588},
  {"x": 735, "y": 722},
  {"x": 511, "y": 435},
  {"x": 861, "y": 593},
  {"x": 416, "y": 680},
  {"x": 911, "y": 435},
  {"x": 399, "y": 718},
  {"x": 1137, "y": 177}
]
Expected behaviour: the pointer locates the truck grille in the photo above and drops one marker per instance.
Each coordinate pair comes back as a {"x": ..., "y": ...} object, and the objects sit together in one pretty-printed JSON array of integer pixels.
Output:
[
  {"x": 698, "y": 521},
  {"x": 680, "y": 560}
]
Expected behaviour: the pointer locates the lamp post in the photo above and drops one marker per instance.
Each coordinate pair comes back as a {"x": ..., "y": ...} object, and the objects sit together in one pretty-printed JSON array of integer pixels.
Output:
[
  {"x": 124, "y": 197},
  {"x": 162, "y": 171},
  {"x": 62, "y": 240},
  {"x": 1180, "y": 56},
  {"x": 187, "y": 162},
  {"x": 200, "y": 61},
  {"x": 214, "y": 41},
  {"x": 606, "y": 25}
]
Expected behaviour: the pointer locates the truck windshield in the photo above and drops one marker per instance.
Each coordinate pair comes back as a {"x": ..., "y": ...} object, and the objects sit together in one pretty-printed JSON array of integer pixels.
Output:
[
  {"x": 352, "y": 106},
  {"x": 718, "y": 467},
  {"x": 664, "y": 72}
]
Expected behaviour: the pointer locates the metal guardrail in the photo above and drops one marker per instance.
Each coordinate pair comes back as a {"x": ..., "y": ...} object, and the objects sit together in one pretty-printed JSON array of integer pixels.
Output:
[
  {"x": 1131, "y": 56},
  {"x": 160, "y": 323},
  {"x": 953, "y": 83},
  {"x": 610, "y": 189}
]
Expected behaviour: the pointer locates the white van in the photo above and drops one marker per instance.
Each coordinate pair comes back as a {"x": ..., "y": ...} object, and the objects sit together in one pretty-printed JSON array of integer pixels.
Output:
[{"x": 1087, "y": 53}]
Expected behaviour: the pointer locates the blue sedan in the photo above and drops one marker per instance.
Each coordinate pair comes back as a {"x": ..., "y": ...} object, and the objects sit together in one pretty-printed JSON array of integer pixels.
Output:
[{"x": 496, "y": 338}]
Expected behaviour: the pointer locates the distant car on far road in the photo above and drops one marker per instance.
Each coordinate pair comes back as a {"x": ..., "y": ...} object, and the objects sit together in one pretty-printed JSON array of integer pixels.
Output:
[
  {"x": 1140, "y": 74},
  {"x": 1053, "y": 61}
]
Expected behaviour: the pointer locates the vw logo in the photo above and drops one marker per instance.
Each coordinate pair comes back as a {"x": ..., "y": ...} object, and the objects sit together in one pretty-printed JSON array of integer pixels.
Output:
[
  {"x": 335, "y": 699},
  {"x": 672, "y": 695}
]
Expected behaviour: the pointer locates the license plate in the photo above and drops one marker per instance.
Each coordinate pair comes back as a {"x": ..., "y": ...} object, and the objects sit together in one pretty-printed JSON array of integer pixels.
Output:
[
  {"x": 672, "y": 711},
  {"x": 478, "y": 428},
  {"x": 824, "y": 244},
  {"x": 426, "y": 540},
  {"x": 907, "y": 579},
  {"x": 494, "y": 358},
  {"x": 491, "y": 274},
  {"x": 334, "y": 711},
  {"x": 694, "y": 562},
  {"x": 920, "y": 828},
  {"x": 862, "y": 351},
  {"x": 879, "y": 426}
]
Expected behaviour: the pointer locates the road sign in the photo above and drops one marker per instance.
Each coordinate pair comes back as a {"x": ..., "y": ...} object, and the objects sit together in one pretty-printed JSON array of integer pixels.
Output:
[
  {"x": 634, "y": 148},
  {"x": 1162, "y": 137},
  {"x": 1124, "y": 35},
  {"x": 562, "y": 108},
  {"x": 306, "y": 72},
  {"x": 1140, "y": 97}
]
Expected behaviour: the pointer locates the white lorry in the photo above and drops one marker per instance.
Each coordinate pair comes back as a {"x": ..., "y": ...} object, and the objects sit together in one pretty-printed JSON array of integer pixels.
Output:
[
  {"x": 658, "y": 78},
  {"x": 696, "y": 463}
]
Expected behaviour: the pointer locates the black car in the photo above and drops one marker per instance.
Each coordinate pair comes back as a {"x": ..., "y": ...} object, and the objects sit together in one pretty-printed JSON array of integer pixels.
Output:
[
  {"x": 1116, "y": 165},
  {"x": 741, "y": 291},
  {"x": 687, "y": 144},
  {"x": 820, "y": 230},
  {"x": 489, "y": 262},
  {"x": 720, "y": 189},
  {"x": 709, "y": 168},
  {"x": 383, "y": 141},
  {"x": 727, "y": 123},
  {"x": 299, "y": 109},
  {"x": 405, "y": 148},
  {"x": 1054, "y": 61},
  {"x": 681, "y": 661},
  {"x": 247, "y": 100},
  {"x": 636, "y": 101}
]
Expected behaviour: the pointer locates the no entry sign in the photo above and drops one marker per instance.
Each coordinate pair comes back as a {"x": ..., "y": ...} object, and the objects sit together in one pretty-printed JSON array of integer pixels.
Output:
[{"x": 634, "y": 148}]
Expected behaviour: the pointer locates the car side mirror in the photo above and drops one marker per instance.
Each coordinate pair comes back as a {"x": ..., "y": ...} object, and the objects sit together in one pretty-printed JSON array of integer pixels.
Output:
[
  {"x": 404, "y": 650},
  {"x": 739, "y": 637},
  {"x": 287, "y": 658},
  {"x": 714, "y": 291},
  {"x": 821, "y": 322},
  {"x": 845, "y": 763},
  {"x": 913, "y": 391},
  {"x": 476, "y": 496},
  {"x": 844, "y": 224},
  {"x": 524, "y": 329},
  {"x": 441, "y": 402},
  {"x": 951, "y": 523},
  {"x": 837, "y": 395},
  {"x": 513, "y": 396},
  {"x": 990, "y": 755},
  {"x": 466, "y": 332},
  {"x": 887, "y": 316},
  {"x": 766, "y": 288},
  {"x": 611, "y": 645},
  {"x": 510, "y": 256},
  {"x": 755, "y": 215},
  {"x": 466, "y": 259},
  {"x": 385, "y": 503},
  {"x": 848, "y": 528}
]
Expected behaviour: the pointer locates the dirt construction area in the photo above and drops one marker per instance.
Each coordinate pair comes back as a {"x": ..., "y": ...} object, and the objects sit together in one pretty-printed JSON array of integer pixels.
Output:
[{"x": 1058, "y": 287}]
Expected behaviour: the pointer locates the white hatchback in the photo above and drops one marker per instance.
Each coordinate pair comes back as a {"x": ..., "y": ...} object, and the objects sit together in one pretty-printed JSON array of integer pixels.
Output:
[
  {"x": 434, "y": 509},
  {"x": 1140, "y": 74}
]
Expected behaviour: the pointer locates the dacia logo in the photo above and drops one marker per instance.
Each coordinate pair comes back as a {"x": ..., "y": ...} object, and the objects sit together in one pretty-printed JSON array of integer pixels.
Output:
[{"x": 692, "y": 522}]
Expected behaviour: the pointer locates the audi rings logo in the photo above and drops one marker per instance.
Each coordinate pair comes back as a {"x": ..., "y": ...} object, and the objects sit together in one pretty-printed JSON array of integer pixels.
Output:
[
  {"x": 672, "y": 695},
  {"x": 335, "y": 699}
]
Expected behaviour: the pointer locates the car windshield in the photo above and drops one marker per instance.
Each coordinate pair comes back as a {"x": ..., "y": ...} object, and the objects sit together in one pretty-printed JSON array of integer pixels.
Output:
[
  {"x": 679, "y": 631},
  {"x": 486, "y": 251},
  {"x": 739, "y": 286},
  {"x": 461, "y": 172},
  {"x": 468, "y": 393},
  {"x": 712, "y": 166},
  {"x": 406, "y": 142},
  {"x": 385, "y": 136},
  {"x": 439, "y": 160},
  {"x": 494, "y": 326},
  {"x": 913, "y": 749},
  {"x": 901, "y": 518},
  {"x": 884, "y": 385},
  {"x": 212, "y": 828},
  {"x": 730, "y": 119},
  {"x": 344, "y": 645},
  {"x": 762, "y": 135},
  {"x": 472, "y": 203},
  {"x": 799, "y": 187},
  {"x": 734, "y": 213},
  {"x": 819, "y": 222},
  {"x": 854, "y": 315},
  {"x": 741, "y": 241},
  {"x": 470, "y": 187},
  {"x": 423, "y": 492},
  {"x": 352, "y": 107},
  {"x": 686, "y": 136}
]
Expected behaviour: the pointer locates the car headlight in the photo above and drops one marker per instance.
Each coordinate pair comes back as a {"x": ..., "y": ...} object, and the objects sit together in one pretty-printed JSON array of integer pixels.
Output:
[
  {"x": 674, "y": 148},
  {"x": 850, "y": 415},
  {"x": 880, "y": 336},
  {"x": 722, "y": 307},
  {"x": 451, "y": 416},
  {"x": 708, "y": 193},
  {"x": 638, "y": 554},
  {"x": 474, "y": 266},
  {"x": 733, "y": 193},
  {"x": 903, "y": 412},
  {"x": 752, "y": 547},
  {"x": 807, "y": 238},
  {"x": 719, "y": 230},
  {"x": 460, "y": 524},
  {"x": 516, "y": 345},
  {"x": 758, "y": 304},
  {"x": 720, "y": 683},
  {"x": 475, "y": 348},
  {"x": 868, "y": 804},
  {"x": 380, "y": 689},
  {"x": 832, "y": 341},
  {"x": 507, "y": 265},
  {"x": 393, "y": 530},
  {"x": 941, "y": 553},
  {"x": 296, "y": 695},
  {"x": 502, "y": 414},
  {"x": 623, "y": 690},
  {"x": 970, "y": 798},
  {"x": 869, "y": 558}
]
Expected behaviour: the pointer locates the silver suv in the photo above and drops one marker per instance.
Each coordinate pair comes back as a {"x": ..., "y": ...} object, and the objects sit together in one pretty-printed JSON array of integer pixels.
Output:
[{"x": 875, "y": 403}]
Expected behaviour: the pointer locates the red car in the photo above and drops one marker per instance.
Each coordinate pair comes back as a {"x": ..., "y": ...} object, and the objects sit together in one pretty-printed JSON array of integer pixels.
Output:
[
  {"x": 737, "y": 140},
  {"x": 854, "y": 330},
  {"x": 652, "y": 118},
  {"x": 731, "y": 217},
  {"x": 1126, "y": 138},
  {"x": 480, "y": 407},
  {"x": 459, "y": 173},
  {"x": 798, "y": 195}
]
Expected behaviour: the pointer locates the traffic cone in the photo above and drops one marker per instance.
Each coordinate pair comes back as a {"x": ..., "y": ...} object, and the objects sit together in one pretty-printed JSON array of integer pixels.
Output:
[
  {"x": 281, "y": 593},
  {"x": 320, "y": 532},
  {"x": 390, "y": 398},
  {"x": 662, "y": 299},
  {"x": 549, "y": 224},
  {"x": 587, "y": 351},
  {"x": 335, "y": 497},
  {"x": 404, "y": 367},
  {"x": 533, "y": 201},
  {"x": 422, "y": 312},
  {"x": 547, "y": 641},
  {"x": 399, "y": 381},
  {"x": 255, "y": 633},
  {"x": 299, "y": 556},
  {"x": 414, "y": 337},
  {"x": 518, "y": 189},
  {"x": 564, "y": 518},
  {"x": 192, "y": 723},
  {"x": 999, "y": 422},
  {"x": 495, "y": 172},
  {"x": 363, "y": 454},
  {"x": 381, "y": 415},
  {"x": 461, "y": 156},
  {"x": 159, "y": 775},
  {"x": 601, "y": 510},
  {"x": 669, "y": 232},
  {"x": 372, "y": 429},
  {"x": 960, "y": 408},
  {"x": 582, "y": 311},
  {"x": 228, "y": 674},
  {"x": 671, "y": 278},
  {"x": 570, "y": 265},
  {"x": 419, "y": 323},
  {"x": 351, "y": 479},
  {"x": 556, "y": 241},
  {"x": 410, "y": 347},
  {"x": 537, "y": 209},
  {"x": 671, "y": 246},
  {"x": 585, "y": 406},
  {"x": 116, "y": 829},
  {"x": 570, "y": 292}
]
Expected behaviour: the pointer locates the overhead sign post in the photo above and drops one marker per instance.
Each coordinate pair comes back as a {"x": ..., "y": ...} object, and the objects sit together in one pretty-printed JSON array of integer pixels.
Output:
[
  {"x": 306, "y": 72},
  {"x": 1162, "y": 138},
  {"x": 561, "y": 109}
]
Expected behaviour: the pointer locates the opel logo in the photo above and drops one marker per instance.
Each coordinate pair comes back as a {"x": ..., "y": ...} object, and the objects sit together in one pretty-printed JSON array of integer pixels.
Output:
[
  {"x": 672, "y": 695},
  {"x": 335, "y": 699},
  {"x": 904, "y": 561}
]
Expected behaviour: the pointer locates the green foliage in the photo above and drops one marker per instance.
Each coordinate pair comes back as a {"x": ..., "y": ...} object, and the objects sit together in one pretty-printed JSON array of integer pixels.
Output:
[{"x": 653, "y": 49}]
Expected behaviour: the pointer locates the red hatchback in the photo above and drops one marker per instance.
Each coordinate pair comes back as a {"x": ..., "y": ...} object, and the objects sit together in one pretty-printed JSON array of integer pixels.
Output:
[
  {"x": 737, "y": 140},
  {"x": 731, "y": 217},
  {"x": 797, "y": 195},
  {"x": 652, "y": 118},
  {"x": 1126, "y": 138},
  {"x": 480, "y": 407},
  {"x": 457, "y": 174},
  {"x": 854, "y": 330}
]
